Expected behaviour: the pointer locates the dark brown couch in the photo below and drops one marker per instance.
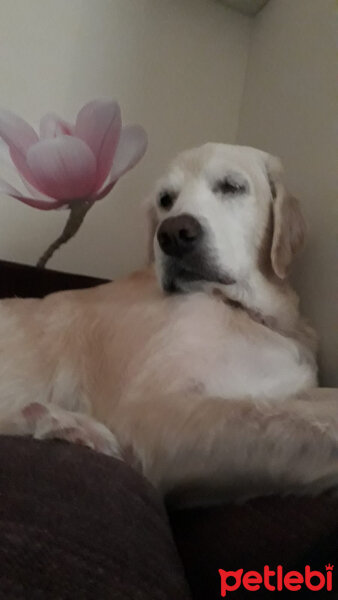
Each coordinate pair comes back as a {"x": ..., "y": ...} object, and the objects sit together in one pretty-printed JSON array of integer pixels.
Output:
[{"x": 75, "y": 524}]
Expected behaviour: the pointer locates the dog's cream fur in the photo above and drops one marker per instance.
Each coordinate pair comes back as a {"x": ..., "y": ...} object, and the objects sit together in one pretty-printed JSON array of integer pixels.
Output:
[{"x": 206, "y": 391}]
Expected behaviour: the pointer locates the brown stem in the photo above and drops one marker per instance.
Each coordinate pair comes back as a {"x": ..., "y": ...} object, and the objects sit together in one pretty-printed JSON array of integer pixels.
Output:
[{"x": 75, "y": 219}]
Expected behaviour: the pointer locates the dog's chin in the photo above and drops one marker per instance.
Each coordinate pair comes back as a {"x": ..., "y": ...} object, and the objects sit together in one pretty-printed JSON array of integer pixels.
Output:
[{"x": 178, "y": 279}]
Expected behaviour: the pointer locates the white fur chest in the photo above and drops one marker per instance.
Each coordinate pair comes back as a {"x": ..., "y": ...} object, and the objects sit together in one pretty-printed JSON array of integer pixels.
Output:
[{"x": 208, "y": 346}]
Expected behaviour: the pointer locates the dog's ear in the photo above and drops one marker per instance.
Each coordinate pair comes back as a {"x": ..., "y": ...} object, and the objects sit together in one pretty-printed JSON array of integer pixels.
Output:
[
  {"x": 152, "y": 226},
  {"x": 289, "y": 227}
]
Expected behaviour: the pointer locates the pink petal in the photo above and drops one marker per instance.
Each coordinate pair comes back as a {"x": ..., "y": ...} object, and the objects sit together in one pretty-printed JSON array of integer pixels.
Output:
[
  {"x": 9, "y": 190},
  {"x": 132, "y": 146},
  {"x": 105, "y": 190},
  {"x": 64, "y": 167},
  {"x": 99, "y": 125},
  {"x": 6, "y": 161},
  {"x": 51, "y": 125},
  {"x": 20, "y": 162},
  {"x": 16, "y": 132},
  {"x": 20, "y": 137},
  {"x": 36, "y": 193}
]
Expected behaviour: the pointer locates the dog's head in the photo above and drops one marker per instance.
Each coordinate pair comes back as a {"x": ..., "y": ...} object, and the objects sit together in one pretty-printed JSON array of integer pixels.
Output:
[{"x": 220, "y": 214}]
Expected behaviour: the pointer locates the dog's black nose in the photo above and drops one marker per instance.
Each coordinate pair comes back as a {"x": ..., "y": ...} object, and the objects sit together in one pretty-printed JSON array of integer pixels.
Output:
[{"x": 179, "y": 235}]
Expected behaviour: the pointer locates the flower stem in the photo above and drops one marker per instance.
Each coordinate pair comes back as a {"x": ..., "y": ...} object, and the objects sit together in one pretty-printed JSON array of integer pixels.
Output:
[{"x": 76, "y": 216}]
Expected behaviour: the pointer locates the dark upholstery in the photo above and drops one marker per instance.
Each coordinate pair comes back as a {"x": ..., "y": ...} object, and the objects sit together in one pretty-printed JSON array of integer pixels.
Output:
[
  {"x": 75, "y": 524},
  {"x": 290, "y": 531},
  {"x": 29, "y": 282}
]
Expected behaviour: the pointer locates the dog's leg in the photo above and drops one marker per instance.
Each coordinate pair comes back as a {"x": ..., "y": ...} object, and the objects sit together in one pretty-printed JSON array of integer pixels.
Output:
[
  {"x": 44, "y": 421},
  {"x": 209, "y": 450}
]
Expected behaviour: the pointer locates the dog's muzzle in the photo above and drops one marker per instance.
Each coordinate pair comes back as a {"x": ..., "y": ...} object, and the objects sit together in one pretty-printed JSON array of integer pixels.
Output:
[{"x": 187, "y": 259}]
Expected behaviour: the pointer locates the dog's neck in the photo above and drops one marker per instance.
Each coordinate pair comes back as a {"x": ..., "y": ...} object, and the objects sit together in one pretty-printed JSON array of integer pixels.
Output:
[
  {"x": 255, "y": 315},
  {"x": 273, "y": 305}
]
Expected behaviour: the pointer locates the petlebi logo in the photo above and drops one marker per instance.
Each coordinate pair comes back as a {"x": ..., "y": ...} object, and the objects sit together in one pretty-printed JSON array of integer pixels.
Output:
[{"x": 276, "y": 580}]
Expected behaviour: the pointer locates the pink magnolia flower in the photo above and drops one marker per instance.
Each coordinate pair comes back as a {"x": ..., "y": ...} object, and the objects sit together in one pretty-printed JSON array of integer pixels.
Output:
[{"x": 68, "y": 163}]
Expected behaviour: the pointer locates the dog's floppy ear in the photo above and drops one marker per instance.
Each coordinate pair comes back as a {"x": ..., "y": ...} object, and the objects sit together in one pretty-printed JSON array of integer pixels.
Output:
[
  {"x": 289, "y": 227},
  {"x": 152, "y": 226}
]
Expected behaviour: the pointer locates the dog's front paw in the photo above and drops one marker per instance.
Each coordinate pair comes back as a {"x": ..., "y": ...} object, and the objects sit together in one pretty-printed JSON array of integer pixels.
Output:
[{"x": 44, "y": 421}]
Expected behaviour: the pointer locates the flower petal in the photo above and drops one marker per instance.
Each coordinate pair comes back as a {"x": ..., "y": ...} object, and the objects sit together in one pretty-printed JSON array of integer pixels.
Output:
[
  {"x": 64, "y": 167},
  {"x": 20, "y": 137},
  {"x": 99, "y": 125},
  {"x": 51, "y": 125},
  {"x": 132, "y": 146},
  {"x": 5, "y": 159},
  {"x": 9, "y": 190},
  {"x": 20, "y": 162},
  {"x": 16, "y": 132},
  {"x": 7, "y": 164},
  {"x": 35, "y": 192}
]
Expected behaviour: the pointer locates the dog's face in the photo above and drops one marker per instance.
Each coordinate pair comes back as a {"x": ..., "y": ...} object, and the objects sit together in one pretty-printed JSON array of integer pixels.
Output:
[{"x": 220, "y": 214}]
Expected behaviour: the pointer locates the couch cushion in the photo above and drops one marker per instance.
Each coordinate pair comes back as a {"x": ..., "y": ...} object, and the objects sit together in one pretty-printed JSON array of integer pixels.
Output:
[
  {"x": 79, "y": 525},
  {"x": 291, "y": 532}
]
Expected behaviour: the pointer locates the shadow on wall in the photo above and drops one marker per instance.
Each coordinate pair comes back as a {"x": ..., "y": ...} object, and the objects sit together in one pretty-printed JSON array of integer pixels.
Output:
[{"x": 290, "y": 109}]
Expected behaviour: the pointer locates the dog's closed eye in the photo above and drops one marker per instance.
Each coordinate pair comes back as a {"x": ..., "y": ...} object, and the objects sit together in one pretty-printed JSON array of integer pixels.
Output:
[{"x": 230, "y": 186}]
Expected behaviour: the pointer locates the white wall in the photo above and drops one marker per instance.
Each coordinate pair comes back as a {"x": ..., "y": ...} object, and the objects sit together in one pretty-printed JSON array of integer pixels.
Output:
[
  {"x": 290, "y": 109},
  {"x": 176, "y": 66}
]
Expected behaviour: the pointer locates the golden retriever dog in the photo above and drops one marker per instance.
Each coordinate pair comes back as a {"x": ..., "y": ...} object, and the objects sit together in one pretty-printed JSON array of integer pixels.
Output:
[{"x": 199, "y": 370}]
